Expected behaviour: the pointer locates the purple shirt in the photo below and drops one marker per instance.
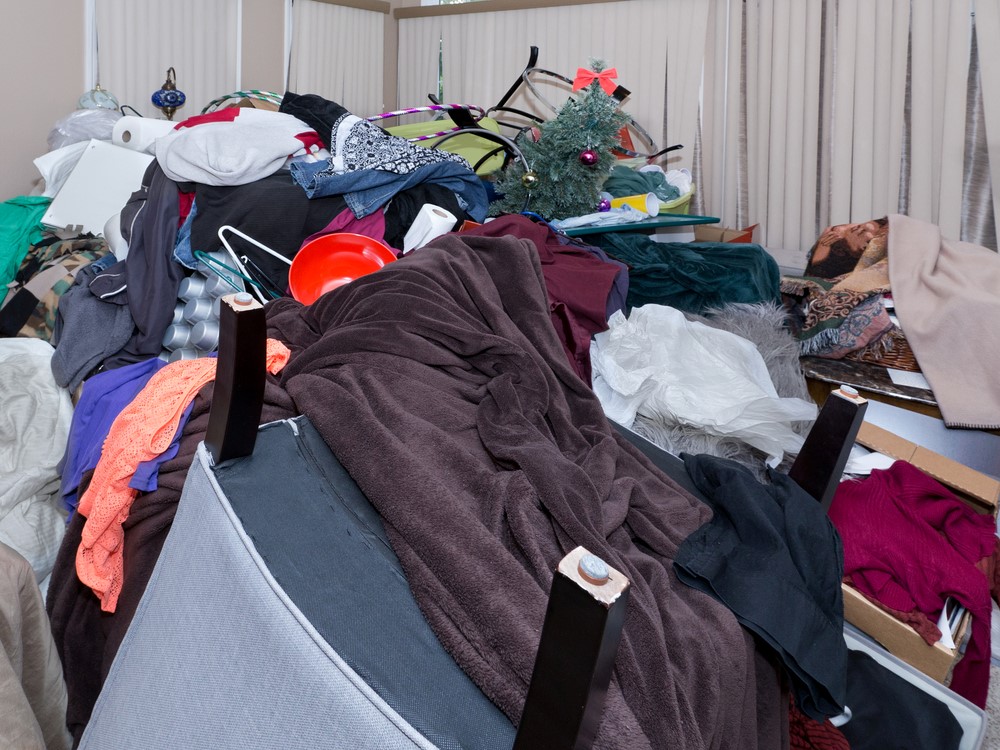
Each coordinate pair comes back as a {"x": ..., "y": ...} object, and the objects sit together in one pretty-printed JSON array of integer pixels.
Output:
[{"x": 104, "y": 397}]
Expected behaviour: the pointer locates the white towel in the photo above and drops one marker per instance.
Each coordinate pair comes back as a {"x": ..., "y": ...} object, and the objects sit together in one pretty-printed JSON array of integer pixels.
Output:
[{"x": 233, "y": 146}]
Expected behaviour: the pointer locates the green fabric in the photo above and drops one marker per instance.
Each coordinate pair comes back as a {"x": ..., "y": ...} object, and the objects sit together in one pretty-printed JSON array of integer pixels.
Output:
[
  {"x": 19, "y": 230},
  {"x": 692, "y": 276},
  {"x": 625, "y": 181}
]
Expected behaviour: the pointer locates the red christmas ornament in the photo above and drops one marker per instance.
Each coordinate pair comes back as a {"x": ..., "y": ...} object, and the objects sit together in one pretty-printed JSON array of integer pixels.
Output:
[{"x": 588, "y": 157}]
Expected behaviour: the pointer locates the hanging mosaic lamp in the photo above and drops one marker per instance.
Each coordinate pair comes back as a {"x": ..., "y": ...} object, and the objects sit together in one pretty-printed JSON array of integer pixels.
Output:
[
  {"x": 168, "y": 98},
  {"x": 97, "y": 98}
]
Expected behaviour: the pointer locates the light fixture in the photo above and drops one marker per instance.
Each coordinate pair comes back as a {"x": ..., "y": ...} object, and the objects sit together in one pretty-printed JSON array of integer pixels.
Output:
[
  {"x": 97, "y": 98},
  {"x": 168, "y": 97}
]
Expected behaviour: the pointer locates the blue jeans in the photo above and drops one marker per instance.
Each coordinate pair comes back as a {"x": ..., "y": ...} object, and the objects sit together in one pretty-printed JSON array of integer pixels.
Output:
[
  {"x": 367, "y": 190},
  {"x": 183, "y": 251}
]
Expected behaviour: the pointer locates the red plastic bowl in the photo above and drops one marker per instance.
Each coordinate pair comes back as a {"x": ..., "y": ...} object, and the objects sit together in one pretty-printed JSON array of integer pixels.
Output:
[{"x": 332, "y": 261}]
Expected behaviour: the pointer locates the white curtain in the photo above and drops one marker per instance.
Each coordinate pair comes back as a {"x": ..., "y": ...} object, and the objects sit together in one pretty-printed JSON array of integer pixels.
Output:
[
  {"x": 867, "y": 84},
  {"x": 978, "y": 213},
  {"x": 794, "y": 114},
  {"x": 819, "y": 112},
  {"x": 939, "y": 67},
  {"x": 685, "y": 37},
  {"x": 782, "y": 117},
  {"x": 720, "y": 163},
  {"x": 140, "y": 39},
  {"x": 338, "y": 52}
]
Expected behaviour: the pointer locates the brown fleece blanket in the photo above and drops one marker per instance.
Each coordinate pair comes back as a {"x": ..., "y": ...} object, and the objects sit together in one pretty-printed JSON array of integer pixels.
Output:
[
  {"x": 947, "y": 297},
  {"x": 442, "y": 387}
]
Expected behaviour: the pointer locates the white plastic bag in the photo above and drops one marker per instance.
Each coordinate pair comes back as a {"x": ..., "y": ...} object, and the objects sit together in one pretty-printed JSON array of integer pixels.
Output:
[
  {"x": 56, "y": 166},
  {"x": 661, "y": 365},
  {"x": 83, "y": 125}
]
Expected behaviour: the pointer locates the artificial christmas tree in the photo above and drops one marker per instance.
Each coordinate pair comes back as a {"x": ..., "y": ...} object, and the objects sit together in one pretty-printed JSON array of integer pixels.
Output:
[{"x": 571, "y": 155}]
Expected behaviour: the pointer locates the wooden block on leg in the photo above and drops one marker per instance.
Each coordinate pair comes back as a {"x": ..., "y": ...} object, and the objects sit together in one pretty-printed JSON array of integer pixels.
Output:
[{"x": 580, "y": 636}]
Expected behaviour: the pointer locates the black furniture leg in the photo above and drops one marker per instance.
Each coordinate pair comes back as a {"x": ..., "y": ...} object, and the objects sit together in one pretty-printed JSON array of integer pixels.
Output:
[
  {"x": 240, "y": 376},
  {"x": 583, "y": 625},
  {"x": 818, "y": 467}
]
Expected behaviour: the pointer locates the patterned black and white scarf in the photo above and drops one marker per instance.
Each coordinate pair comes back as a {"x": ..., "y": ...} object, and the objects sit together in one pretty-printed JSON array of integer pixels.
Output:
[{"x": 358, "y": 144}]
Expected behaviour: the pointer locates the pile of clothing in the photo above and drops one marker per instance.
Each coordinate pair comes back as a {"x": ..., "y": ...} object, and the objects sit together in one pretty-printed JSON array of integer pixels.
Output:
[
  {"x": 469, "y": 367},
  {"x": 838, "y": 306},
  {"x": 447, "y": 366},
  {"x": 944, "y": 294}
]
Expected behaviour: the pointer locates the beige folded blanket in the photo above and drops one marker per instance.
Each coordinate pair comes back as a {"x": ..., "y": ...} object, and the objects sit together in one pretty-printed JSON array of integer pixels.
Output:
[{"x": 947, "y": 297}]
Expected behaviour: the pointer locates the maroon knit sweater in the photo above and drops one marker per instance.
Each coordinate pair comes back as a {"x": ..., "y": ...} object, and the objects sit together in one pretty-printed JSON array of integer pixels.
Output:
[
  {"x": 808, "y": 734},
  {"x": 910, "y": 543}
]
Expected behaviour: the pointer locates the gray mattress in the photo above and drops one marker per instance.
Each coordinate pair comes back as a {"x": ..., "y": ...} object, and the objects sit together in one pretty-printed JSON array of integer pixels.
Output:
[{"x": 219, "y": 655}]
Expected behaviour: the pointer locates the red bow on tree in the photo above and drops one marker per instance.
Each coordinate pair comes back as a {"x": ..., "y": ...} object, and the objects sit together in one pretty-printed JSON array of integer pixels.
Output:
[{"x": 586, "y": 77}]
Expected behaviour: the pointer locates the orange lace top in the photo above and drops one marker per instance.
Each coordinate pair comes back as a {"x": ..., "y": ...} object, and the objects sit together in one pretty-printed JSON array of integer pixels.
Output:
[{"x": 143, "y": 430}]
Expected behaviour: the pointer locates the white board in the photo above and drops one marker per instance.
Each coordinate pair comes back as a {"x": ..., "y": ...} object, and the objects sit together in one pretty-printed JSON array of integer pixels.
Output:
[{"x": 97, "y": 188}]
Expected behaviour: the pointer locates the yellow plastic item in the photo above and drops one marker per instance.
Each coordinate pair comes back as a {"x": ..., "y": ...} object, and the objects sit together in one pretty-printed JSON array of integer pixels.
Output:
[
  {"x": 471, "y": 146},
  {"x": 680, "y": 205}
]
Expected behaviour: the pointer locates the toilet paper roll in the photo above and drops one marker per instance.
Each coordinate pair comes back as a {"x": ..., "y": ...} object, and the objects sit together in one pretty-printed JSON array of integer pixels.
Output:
[
  {"x": 647, "y": 202},
  {"x": 139, "y": 133},
  {"x": 431, "y": 222},
  {"x": 113, "y": 234}
]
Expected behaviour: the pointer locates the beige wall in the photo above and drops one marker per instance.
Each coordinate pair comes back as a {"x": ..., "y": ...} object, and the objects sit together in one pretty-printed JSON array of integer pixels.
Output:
[
  {"x": 42, "y": 60},
  {"x": 263, "y": 45}
]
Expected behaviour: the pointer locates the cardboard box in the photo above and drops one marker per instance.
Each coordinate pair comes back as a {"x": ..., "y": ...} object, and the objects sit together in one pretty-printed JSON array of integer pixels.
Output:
[
  {"x": 246, "y": 102},
  {"x": 980, "y": 491},
  {"x": 707, "y": 233},
  {"x": 900, "y": 639}
]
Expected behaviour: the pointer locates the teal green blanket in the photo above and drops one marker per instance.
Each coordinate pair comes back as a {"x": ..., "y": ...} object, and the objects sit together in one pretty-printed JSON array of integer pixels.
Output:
[
  {"x": 19, "y": 230},
  {"x": 624, "y": 181},
  {"x": 693, "y": 276}
]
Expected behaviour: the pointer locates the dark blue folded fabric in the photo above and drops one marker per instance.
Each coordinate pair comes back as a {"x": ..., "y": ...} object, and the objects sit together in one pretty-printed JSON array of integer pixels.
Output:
[
  {"x": 773, "y": 557},
  {"x": 889, "y": 713}
]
